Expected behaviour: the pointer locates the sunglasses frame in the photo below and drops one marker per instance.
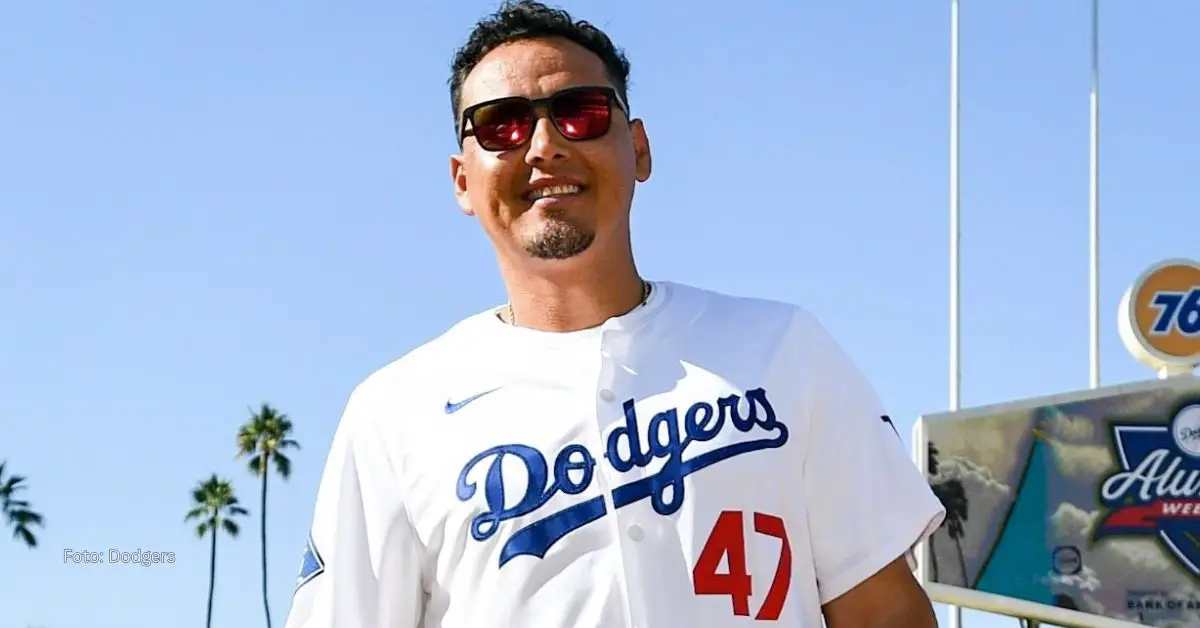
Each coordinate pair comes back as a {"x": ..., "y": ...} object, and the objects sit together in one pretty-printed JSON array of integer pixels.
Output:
[{"x": 540, "y": 107}]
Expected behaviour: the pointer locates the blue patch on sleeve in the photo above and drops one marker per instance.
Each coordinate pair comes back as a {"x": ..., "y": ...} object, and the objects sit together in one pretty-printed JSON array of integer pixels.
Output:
[{"x": 311, "y": 564}]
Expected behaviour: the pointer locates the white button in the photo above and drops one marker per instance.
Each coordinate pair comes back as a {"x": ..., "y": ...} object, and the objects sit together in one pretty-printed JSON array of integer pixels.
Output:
[
  {"x": 635, "y": 532},
  {"x": 606, "y": 394}
]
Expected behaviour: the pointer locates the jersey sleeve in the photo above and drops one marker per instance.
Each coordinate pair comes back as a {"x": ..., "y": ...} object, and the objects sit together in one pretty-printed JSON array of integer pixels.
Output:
[
  {"x": 361, "y": 566},
  {"x": 868, "y": 503}
]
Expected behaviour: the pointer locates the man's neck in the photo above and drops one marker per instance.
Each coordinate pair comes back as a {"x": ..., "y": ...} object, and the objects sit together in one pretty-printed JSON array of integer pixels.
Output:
[{"x": 549, "y": 302}]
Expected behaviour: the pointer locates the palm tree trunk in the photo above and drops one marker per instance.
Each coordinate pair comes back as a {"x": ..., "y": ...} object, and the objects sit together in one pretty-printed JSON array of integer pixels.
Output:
[
  {"x": 212, "y": 569},
  {"x": 962, "y": 562},
  {"x": 263, "y": 469}
]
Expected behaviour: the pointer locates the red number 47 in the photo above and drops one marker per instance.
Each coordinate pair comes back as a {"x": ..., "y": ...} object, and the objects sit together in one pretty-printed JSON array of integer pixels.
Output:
[{"x": 728, "y": 540}]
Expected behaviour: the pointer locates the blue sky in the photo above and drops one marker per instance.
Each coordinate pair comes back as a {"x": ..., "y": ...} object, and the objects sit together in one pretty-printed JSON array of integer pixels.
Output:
[{"x": 204, "y": 206}]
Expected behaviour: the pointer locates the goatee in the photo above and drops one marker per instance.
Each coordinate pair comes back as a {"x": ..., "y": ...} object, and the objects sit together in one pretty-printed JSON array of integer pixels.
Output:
[{"x": 559, "y": 239}]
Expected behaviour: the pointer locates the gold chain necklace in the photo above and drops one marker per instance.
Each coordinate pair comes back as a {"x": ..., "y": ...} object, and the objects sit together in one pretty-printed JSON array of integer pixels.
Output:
[{"x": 512, "y": 319}]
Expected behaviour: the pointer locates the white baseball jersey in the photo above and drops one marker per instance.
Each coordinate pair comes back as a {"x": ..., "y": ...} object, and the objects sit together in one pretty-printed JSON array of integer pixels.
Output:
[{"x": 703, "y": 461}]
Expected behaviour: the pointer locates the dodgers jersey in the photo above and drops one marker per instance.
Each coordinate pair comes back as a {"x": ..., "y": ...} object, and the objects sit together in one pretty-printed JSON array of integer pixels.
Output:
[{"x": 704, "y": 461}]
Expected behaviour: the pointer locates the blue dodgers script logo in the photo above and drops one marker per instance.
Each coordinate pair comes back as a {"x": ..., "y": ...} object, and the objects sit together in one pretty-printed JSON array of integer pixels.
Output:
[
  {"x": 574, "y": 467},
  {"x": 1157, "y": 491}
]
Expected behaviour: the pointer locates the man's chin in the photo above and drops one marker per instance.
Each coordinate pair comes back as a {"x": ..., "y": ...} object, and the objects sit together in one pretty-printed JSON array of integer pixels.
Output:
[{"x": 559, "y": 242}]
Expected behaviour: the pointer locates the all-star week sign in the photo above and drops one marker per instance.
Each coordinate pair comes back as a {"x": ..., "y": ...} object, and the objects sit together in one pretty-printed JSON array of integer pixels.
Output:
[{"x": 1157, "y": 490}]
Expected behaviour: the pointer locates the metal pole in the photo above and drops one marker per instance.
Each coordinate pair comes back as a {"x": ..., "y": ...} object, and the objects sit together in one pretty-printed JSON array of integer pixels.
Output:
[
  {"x": 1094, "y": 203},
  {"x": 955, "y": 367},
  {"x": 955, "y": 353}
]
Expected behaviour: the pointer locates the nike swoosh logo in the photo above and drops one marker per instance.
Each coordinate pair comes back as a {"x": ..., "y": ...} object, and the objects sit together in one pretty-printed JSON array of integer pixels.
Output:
[{"x": 455, "y": 406}]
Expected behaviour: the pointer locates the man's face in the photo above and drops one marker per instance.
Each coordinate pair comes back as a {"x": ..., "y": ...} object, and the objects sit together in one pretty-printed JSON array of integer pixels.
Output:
[{"x": 499, "y": 187}]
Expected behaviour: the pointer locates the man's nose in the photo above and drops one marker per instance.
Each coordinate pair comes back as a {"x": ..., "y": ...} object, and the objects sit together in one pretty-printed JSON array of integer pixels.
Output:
[{"x": 546, "y": 144}]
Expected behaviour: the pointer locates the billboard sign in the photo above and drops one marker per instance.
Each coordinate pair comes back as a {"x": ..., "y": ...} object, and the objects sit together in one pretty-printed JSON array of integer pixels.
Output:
[{"x": 1080, "y": 509}]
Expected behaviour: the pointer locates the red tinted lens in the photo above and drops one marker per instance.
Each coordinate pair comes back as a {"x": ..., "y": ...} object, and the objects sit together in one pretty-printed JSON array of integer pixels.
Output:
[
  {"x": 502, "y": 125},
  {"x": 581, "y": 115}
]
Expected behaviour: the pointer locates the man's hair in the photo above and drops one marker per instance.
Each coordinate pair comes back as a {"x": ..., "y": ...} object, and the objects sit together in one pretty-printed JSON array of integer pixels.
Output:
[{"x": 520, "y": 20}]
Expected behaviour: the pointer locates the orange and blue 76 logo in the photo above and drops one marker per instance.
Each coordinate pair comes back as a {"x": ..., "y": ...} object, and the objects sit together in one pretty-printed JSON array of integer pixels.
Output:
[{"x": 1178, "y": 312}]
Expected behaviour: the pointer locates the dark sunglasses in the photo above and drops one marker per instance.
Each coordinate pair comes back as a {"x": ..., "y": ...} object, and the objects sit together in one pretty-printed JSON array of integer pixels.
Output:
[{"x": 579, "y": 114}]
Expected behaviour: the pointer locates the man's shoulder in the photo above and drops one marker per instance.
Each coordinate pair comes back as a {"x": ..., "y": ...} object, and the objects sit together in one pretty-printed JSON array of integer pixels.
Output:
[
  {"x": 743, "y": 311},
  {"x": 739, "y": 324},
  {"x": 428, "y": 366}
]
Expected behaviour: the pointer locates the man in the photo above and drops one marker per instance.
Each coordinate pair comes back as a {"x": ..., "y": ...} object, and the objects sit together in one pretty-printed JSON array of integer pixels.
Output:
[{"x": 604, "y": 451}]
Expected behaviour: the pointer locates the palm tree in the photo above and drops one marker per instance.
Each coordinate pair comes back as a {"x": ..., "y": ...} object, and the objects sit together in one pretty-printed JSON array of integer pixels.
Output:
[
  {"x": 214, "y": 505},
  {"x": 932, "y": 471},
  {"x": 954, "y": 499},
  {"x": 17, "y": 512},
  {"x": 933, "y": 458},
  {"x": 263, "y": 440}
]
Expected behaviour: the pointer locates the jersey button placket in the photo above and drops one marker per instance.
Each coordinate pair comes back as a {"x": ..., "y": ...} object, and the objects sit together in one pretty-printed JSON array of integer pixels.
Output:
[
  {"x": 617, "y": 376},
  {"x": 607, "y": 408}
]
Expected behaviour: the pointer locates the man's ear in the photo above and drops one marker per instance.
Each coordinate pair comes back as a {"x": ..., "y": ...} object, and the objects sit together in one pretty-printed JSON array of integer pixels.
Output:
[
  {"x": 458, "y": 174},
  {"x": 641, "y": 149}
]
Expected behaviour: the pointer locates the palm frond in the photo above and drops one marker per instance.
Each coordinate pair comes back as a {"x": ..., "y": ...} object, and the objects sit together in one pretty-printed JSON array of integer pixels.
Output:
[
  {"x": 26, "y": 536},
  {"x": 266, "y": 433},
  {"x": 24, "y": 517},
  {"x": 283, "y": 465},
  {"x": 211, "y": 497},
  {"x": 18, "y": 513}
]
